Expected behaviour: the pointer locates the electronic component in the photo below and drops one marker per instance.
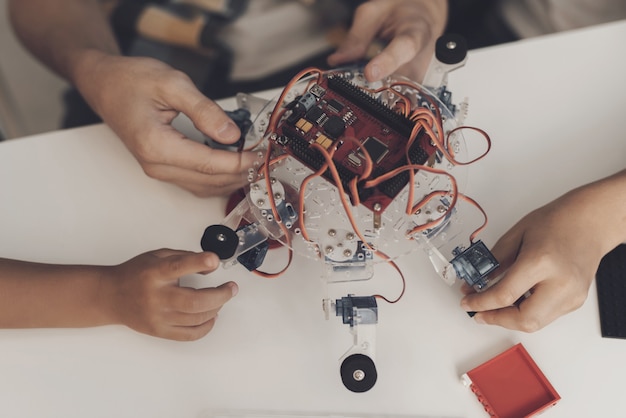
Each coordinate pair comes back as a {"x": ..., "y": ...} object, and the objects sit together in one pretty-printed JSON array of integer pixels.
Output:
[
  {"x": 349, "y": 111},
  {"x": 254, "y": 257},
  {"x": 474, "y": 265},
  {"x": 335, "y": 105},
  {"x": 316, "y": 115},
  {"x": 376, "y": 149},
  {"x": 358, "y": 371},
  {"x": 355, "y": 310},
  {"x": 334, "y": 126},
  {"x": 356, "y": 173}
]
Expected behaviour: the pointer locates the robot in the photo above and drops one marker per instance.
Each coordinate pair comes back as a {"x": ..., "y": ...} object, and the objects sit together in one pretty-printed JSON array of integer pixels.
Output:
[{"x": 358, "y": 173}]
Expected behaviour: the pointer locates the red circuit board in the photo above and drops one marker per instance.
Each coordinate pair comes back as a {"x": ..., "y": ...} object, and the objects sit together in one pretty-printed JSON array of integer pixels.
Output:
[{"x": 334, "y": 110}]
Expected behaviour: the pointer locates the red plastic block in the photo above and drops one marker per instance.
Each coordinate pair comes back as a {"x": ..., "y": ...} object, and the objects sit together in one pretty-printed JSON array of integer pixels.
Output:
[{"x": 511, "y": 385}]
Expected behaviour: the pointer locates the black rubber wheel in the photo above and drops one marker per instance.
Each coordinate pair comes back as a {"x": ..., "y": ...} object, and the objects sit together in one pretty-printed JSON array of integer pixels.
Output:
[
  {"x": 451, "y": 48},
  {"x": 221, "y": 240},
  {"x": 358, "y": 373}
]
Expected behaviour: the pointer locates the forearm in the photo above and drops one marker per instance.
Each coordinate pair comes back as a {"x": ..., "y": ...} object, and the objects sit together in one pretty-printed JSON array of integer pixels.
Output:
[
  {"x": 63, "y": 34},
  {"x": 34, "y": 295}
]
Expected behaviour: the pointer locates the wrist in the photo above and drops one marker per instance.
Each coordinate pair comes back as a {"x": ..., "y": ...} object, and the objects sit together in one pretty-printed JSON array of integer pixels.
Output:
[
  {"x": 603, "y": 205},
  {"x": 106, "y": 297},
  {"x": 87, "y": 73}
]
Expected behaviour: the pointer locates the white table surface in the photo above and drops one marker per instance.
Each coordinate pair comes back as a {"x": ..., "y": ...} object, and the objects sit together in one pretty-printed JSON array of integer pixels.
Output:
[{"x": 554, "y": 108}]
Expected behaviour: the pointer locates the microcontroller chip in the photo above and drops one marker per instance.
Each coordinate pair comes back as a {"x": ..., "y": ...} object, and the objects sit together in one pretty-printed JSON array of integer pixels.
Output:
[{"x": 375, "y": 148}]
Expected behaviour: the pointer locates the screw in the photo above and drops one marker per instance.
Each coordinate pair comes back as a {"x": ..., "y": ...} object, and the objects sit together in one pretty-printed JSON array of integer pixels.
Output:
[
  {"x": 377, "y": 207},
  {"x": 358, "y": 375},
  {"x": 349, "y": 236},
  {"x": 278, "y": 196},
  {"x": 451, "y": 45},
  {"x": 332, "y": 232},
  {"x": 441, "y": 208},
  {"x": 328, "y": 249},
  {"x": 347, "y": 253},
  {"x": 221, "y": 237},
  {"x": 260, "y": 202}
]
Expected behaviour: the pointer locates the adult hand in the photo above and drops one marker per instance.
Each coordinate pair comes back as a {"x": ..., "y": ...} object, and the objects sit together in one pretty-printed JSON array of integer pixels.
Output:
[
  {"x": 143, "y": 294},
  {"x": 410, "y": 27},
  {"x": 553, "y": 253},
  {"x": 139, "y": 97}
]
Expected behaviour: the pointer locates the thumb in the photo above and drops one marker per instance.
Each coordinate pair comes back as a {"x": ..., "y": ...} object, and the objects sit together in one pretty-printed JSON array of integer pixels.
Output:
[{"x": 205, "y": 114}]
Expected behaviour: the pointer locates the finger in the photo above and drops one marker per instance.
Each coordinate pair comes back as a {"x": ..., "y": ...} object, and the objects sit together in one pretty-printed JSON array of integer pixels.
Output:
[
  {"x": 520, "y": 277},
  {"x": 533, "y": 313},
  {"x": 205, "y": 114},
  {"x": 192, "y": 155},
  {"x": 168, "y": 252},
  {"x": 191, "y": 301},
  {"x": 200, "y": 184},
  {"x": 176, "y": 266},
  {"x": 181, "y": 319},
  {"x": 401, "y": 49},
  {"x": 367, "y": 23},
  {"x": 188, "y": 333}
]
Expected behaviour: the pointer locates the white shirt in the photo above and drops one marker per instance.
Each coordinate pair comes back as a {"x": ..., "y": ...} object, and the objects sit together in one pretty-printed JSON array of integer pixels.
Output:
[{"x": 275, "y": 34}]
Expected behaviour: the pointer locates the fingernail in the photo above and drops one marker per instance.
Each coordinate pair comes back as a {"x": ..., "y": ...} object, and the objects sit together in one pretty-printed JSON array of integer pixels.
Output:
[
  {"x": 234, "y": 288},
  {"x": 479, "y": 319},
  {"x": 228, "y": 132},
  {"x": 465, "y": 305}
]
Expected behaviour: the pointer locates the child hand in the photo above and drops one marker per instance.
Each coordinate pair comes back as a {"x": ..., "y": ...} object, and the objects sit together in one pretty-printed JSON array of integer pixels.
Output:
[{"x": 143, "y": 294}]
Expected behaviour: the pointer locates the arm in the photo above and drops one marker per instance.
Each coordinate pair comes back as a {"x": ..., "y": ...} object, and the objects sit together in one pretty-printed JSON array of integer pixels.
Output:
[
  {"x": 410, "y": 26},
  {"x": 554, "y": 253},
  {"x": 142, "y": 293},
  {"x": 137, "y": 97}
]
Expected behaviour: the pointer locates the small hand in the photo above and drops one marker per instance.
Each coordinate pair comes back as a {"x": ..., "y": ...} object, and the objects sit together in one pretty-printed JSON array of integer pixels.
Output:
[
  {"x": 143, "y": 294},
  {"x": 139, "y": 97},
  {"x": 410, "y": 26}
]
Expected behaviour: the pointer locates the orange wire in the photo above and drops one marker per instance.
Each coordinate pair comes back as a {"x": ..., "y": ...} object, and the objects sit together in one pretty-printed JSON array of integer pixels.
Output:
[
  {"x": 342, "y": 194},
  {"x": 274, "y": 117},
  {"x": 303, "y": 185},
  {"x": 473, "y": 128},
  {"x": 428, "y": 119},
  {"x": 480, "y": 228},
  {"x": 407, "y": 102},
  {"x": 335, "y": 174},
  {"x": 369, "y": 164},
  {"x": 277, "y": 219}
]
